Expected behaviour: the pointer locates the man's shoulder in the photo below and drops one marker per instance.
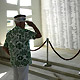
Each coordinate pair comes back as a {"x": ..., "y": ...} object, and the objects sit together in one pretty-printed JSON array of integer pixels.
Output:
[
  {"x": 11, "y": 31},
  {"x": 8, "y": 32}
]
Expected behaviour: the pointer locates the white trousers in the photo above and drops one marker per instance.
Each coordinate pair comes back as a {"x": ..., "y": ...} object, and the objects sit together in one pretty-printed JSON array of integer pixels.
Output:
[{"x": 21, "y": 73}]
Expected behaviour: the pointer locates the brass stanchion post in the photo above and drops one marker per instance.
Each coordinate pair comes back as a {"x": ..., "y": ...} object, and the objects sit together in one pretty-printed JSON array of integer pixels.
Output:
[{"x": 47, "y": 64}]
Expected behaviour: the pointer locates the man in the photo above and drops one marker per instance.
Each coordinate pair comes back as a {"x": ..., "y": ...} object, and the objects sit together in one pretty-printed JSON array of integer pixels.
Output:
[{"x": 18, "y": 47}]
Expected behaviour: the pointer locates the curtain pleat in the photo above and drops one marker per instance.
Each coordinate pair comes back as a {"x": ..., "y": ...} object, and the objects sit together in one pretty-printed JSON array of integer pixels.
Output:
[{"x": 61, "y": 22}]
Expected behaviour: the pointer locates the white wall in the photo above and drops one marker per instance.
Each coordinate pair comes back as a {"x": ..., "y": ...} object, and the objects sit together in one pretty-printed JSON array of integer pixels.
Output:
[
  {"x": 3, "y": 19},
  {"x": 36, "y": 7}
]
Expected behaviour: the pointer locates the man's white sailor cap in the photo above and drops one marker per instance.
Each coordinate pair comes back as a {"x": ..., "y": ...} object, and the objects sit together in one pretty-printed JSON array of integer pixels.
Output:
[{"x": 20, "y": 18}]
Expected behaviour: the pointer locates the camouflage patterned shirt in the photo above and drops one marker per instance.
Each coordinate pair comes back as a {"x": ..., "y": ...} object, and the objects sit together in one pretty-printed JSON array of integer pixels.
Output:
[{"x": 17, "y": 42}]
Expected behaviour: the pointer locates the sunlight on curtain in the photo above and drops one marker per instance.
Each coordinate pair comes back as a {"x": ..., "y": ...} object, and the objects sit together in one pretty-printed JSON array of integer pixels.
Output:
[{"x": 61, "y": 22}]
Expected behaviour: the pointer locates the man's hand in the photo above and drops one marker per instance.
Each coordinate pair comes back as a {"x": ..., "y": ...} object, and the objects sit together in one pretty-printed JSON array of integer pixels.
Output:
[
  {"x": 30, "y": 23},
  {"x": 35, "y": 28}
]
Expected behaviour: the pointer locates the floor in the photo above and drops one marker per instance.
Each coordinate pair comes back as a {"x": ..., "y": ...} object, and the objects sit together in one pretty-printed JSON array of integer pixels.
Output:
[
  {"x": 52, "y": 56},
  {"x": 7, "y": 74}
]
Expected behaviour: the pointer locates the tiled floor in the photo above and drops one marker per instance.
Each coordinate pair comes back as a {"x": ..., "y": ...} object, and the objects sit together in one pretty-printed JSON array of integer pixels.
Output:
[
  {"x": 6, "y": 73},
  {"x": 41, "y": 54}
]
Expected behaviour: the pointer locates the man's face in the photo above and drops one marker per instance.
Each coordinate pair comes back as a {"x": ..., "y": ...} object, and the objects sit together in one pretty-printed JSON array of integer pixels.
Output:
[
  {"x": 20, "y": 21},
  {"x": 20, "y": 24}
]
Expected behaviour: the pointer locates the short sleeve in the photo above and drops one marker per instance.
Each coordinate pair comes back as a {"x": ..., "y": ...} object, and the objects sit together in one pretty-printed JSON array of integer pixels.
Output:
[{"x": 32, "y": 35}]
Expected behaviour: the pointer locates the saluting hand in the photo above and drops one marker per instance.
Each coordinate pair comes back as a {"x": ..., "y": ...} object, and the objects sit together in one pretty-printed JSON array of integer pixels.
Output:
[{"x": 30, "y": 23}]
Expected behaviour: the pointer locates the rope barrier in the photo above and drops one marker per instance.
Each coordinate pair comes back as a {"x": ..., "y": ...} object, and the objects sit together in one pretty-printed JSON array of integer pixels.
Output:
[
  {"x": 47, "y": 64},
  {"x": 39, "y": 47},
  {"x": 61, "y": 56},
  {"x": 47, "y": 40}
]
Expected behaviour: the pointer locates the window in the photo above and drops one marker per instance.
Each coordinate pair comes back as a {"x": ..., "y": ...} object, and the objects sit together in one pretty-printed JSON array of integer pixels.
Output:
[
  {"x": 25, "y": 2},
  {"x": 12, "y": 1},
  {"x": 9, "y": 22},
  {"x": 20, "y": 8},
  {"x": 11, "y": 13},
  {"x": 26, "y": 12}
]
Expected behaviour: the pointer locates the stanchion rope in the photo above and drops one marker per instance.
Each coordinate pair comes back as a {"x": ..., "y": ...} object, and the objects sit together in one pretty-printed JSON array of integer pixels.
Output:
[
  {"x": 39, "y": 47},
  {"x": 56, "y": 51},
  {"x": 60, "y": 55}
]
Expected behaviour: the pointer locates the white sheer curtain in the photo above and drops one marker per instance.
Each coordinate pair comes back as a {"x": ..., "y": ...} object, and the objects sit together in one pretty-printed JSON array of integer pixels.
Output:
[{"x": 61, "y": 22}]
